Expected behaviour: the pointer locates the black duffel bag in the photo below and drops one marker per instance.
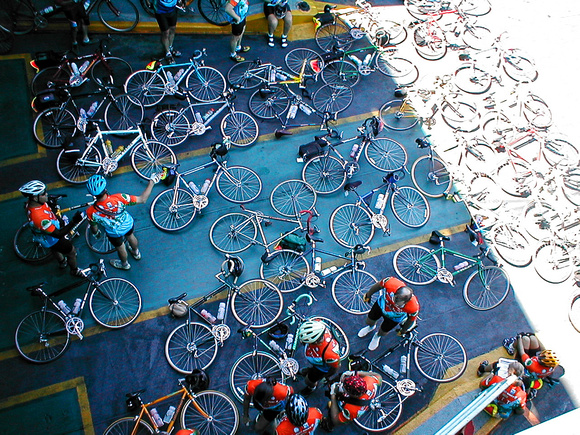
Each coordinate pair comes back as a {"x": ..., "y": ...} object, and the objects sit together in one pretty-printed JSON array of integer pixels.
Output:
[{"x": 312, "y": 149}]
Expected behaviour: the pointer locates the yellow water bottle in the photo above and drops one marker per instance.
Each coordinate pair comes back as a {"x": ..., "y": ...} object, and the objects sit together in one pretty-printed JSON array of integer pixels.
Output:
[{"x": 109, "y": 146}]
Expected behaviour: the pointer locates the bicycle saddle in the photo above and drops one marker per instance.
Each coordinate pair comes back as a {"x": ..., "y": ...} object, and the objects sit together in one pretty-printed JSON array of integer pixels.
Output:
[
  {"x": 135, "y": 394},
  {"x": 352, "y": 186},
  {"x": 310, "y": 238},
  {"x": 34, "y": 289},
  {"x": 176, "y": 299},
  {"x": 436, "y": 237},
  {"x": 359, "y": 249},
  {"x": 171, "y": 165}
]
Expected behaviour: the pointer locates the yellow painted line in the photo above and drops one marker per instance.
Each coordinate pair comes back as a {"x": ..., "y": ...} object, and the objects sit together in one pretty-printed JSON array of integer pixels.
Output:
[{"x": 76, "y": 383}]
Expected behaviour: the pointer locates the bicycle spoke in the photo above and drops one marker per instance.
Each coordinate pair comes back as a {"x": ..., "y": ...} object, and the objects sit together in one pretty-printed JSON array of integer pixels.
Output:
[
  {"x": 291, "y": 197},
  {"x": 258, "y": 303},
  {"x": 440, "y": 357},
  {"x": 351, "y": 225},
  {"x": 286, "y": 270},
  {"x": 233, "y": 233},
  {"x": 190, "y": 346},
  {"x": 115, "y": 303},
  {"x": 221, "y": 416},
  {"x": 486, "y": 288}
]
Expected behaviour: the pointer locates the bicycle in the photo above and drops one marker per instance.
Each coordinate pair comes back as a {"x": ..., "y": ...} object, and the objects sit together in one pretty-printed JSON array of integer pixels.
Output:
[
  {"x": 44, "y": 336},
  {"x": 422, "y": 8},
  {"x": 574, "y": 309},
  {"x": 556, "y": 258},
  {"x": 210, "y": 412},
  {"x": 175, "y": 208},
  {"x": 173, "y": 126},
  {"x": 277, "y": 362},
  {"x": 55, "y": 126},
  {"x": 120, "y": 16},
  {"x": 28, "y": 248},
  {"x": 354, "y": 224},
  {"x": 6, "y": 32},
  {"x": 148, "y": 157},
  {"x": 194, "y": 345},
  {"x": 484, "y": 289},
  {"x": 202, "y": 83}
]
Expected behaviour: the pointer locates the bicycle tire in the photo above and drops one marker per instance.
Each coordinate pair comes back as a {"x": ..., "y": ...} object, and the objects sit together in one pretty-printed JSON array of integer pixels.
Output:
[
  {"x": 340, "y": 73},
  {"x": 410, "y": 207},
  {"x": 326, "y": 174},
  {"x": 219, "y": 414},
  {"x": 560, "y": 153},
  {"x": 290, "y": 197},
  {"x": 170, "y": 127},
  {"x": 148, "y": 6},
  {"x": 76, "y": 167},
  {"x": 124, "y": 112},
  {"x": 422, "y": 9},
  {"x": 205, "y": 84},
  {"x": 477, "y": 37},
  {"x": 519, "y": 68},
  {"x": 440, "y": 357},
  {"x": 416, "y": 265},
  {"x": 395, "y": 118},
  {"x": 472, "y": 79},
  {"x": 253, "y": 365},
  {"x": 128, "y": 426},
  {"x": 242, "y": 75},
  {"x": 286, "y": 269},
  {"x": 298, "y": 57},
  {"x": 430, "y": 46},
  {"x": 53, "y": 127},
  {"x": 102, "y": 245},
  {"x": 42, "y": 337},
  {"x": 115, "y": 303},
  {"x": 50, "y": 78},
  {"x": 571, "y": 187},
  {"x": 574, "y": 311},
  {"x": 351, "y": 225},
  {"x": 479, "y": 155},
  {"x": 111, "y": 71},
  {"x": 431, "y": 177},
  {"x": 122, "y": 16},
  {"x": 396, "y": 31},
  {"x": 241, "y": 128},
  {"x": 511, "y": 245},
  {"x": 497, "y": 128},
  {"x": 332, "y": 99},
  {"x": 516, "y": 178},
  {"x": 537, "y": 112},
  {"x": 384, "y": 410},
  {"x": 6, "y": 34},
  {"x": 233, "y": 233},
  {"x": 462, "y": 117},
  {"x": 540, "y": 219},
  {"x": 150, "y": 158},
  {"x": 147, "y": 86},
  {"x": 552, "y": 261},
  {"x": 213, "y": 12},
  {"x": 349, "y": 288},
  {"x": 484, "y": 192},
  {"x": 475, "y": 7},
  {"x": 270, "y": 103},
  {"x": 190, "y": 346},
  {"x": 22, "y": 17},
  {"x": 333, "y": 35},
  {"x": 385, "y": 154},
  {"x": 173, "y": 209},
  {"x": 486, "y": 288},
  {"x": 26, "y": 248},
  {"x": 402, "y": 71},
  {"x": 239, "y": 184},
  {"x": 337, "y": 333},
  {"x": 258, "y": 303}
]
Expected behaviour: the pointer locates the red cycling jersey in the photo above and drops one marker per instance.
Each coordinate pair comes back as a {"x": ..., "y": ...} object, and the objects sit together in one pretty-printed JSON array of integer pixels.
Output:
[
  {"x": 287, "y": 428},
  {"x": 348, "y": 411},
  {"x": 387, "y": 304},
  {"x": 325, "y": 354},
  {"x": 512, "y": 396},
  {"x": 534, "y": 368},
  {"x": 44, "y": 222},
  {"x": 279, "y": 395}
]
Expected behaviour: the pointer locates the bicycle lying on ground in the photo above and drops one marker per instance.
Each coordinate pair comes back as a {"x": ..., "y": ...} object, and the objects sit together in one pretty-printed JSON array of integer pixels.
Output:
[{"x": 44, "y": 335}]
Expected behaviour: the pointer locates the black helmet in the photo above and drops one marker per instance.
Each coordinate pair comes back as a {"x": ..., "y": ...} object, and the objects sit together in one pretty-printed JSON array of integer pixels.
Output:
[
  {"x": 297, "y": 409},
  {"x": 403, "y": 295},
  {"x": 198, "y": 380},
  {"x": 400, "y": 93},
  {"x": 134, "y": 403},
  {"x": 233, "y": 266}
]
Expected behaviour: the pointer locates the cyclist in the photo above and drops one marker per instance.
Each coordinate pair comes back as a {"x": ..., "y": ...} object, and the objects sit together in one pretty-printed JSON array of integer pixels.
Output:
[
  {"x": 275, "y": 10},
  {"x": 74, "y": 11},
  {"x": 321, "y": 351},
  {"x": 396, "y": 304},
  {"x": 269, "y": 398},
  {"x": 110, "y": 212},
  {"x": 166, "y": 16},
  {"x": 299, "y": 419},
  {"x": 48, "y": 229},
  {"x": 512, "y": 399},
  {"x": 237, "y": 10}
]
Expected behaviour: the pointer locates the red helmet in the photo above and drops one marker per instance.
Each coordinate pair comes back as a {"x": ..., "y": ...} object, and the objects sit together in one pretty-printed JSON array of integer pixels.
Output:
[
  {"x": 187, "y": 432},
  {"x": 354, "y": 385}
]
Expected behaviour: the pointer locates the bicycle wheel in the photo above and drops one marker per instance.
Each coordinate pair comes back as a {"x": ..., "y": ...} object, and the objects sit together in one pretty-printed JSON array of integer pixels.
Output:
[
  {"x": 403, "y": 71},
  {"x": 340, "y": 73},
  {"x": 519, "y": 68},
  {"x": 333, "y": 35},
  {"x": 429, "y": 41},
  {"x": 120, "y": 16},
  {"x": 42, "y": 337},
  {"x": 126, "y": 426},
  {"x": 537, "y": 112},
  {"x": 486, "y": 288},
  {"x": 560, "y": 153},
  {"x": 253, "y": 365},
  {"x": 258, "y": 303},
  {"x": 571, "y": 187},
  {"x": 26, "y": 248},
  {"x": 386, "y": 155},
  {"x": 477, "y": 37},
  {"x": 173, "y": 209},
  {"x": 233, "y": 233},
  {"x": 416, "y": 265},
  {"x": 22, "y": 17},
  {"x": 6, "y": 34},
  {"x": 241, "y": 128},
  {"x": 213, "y": 12},
  {"x": 553, "y": 262},
  {"x": 287, "y": 270},
  {"x": 325, "y": 174},
  {"x": 484, "y": 192},
  {"x": 497, "y": 128},
  {"x": 148, "y": 6},
  {"x": 77, "y": 167},
  {"x": 351, "y": 225},
  {"x": 410, "y": 207},
  {"x": 304, "y": 59},
  {"x": 349, "y": 288},
  {"x": 102, "y": 245},
  {"x": 431, "y": 177},
  {"x": 290, "y": 197},
  {"x": 472, "y": 79},
  {"x": 150, "y": 157},
  {"x": 111, "y": 71},
  {"x": 170, "y": 127},
  {"x": 147, "y": 86},
  {"x": 338, "y": 334},
  {"x": 574, "y": 312},
  {"x": 460, "y": 116},
  {"x": 239, "y": 184},
  {"x": 50, "y": 78},
  {"x": 541, "y": 220},
  {"x": 124, "y": 112},
  {"x": 511, "y": 245},
  {"x": 205, "y": 84},
  {"x": 398, "y": 115},
  {"x": 332, "y": 98},
  {"x": 53, "y": 127},
  {"x": 115, "y": 303},
  {"x": 516, "y": 178},
  {"x": 384, "y": 410},
  {"x": 191, "y": 346},
  {"x": 440, "y": 357},
  {"x": 421, "y": 9},
  {"x": 269, "y": 103},
  {"x": 213, "y": 413},
  {"x": 479, "y": 155},
  {"x": 475, "y": 7},
  {"x": 248, "y": 74}
]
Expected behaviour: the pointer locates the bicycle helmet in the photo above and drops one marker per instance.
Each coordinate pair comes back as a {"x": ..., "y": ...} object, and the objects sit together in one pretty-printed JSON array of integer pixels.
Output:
[
  {"x": 311, "y": 331},
  {"x": 354, "y": 385},
  {"x": 187, "y": 432},
  {"x": 33, "y": 188},
  {"x": 548, "y": 358},
  {"x": 96, "y": 184},
  {"x": 402, "y": 296},
  {"x": 278, "y": 331},
  {"x": 233, "y": 266},
  {"x": 297, "y": 409},
  {"x": 198, "y": 380}
]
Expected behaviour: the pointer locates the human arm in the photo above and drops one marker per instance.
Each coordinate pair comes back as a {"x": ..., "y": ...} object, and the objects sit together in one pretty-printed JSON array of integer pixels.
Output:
[
  {"x": 406, "y": 325},
  {"x": 142, "y": 199},
  {"x": 59, "y": 233},
  {"x": 246, "y": 410},
  {"x": 229, "y": 9},
  {"x": 374, "y": 288},
  {"x": 334, "y": 410}
]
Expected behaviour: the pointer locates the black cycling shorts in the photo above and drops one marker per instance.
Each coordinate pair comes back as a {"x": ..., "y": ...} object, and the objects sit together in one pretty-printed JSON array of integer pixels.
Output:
[
  {"x": 238, "y": 29},
  {"x": 166, "y": 21},
  {"x": 63, "y": 246},
  {"x": 314, "y": 374},
  {"x": 118, "y": 241},
  {"x": 76, "y": 13},
  {"x": 376, "y": 313},
  {"x": 271, "y": 10}
]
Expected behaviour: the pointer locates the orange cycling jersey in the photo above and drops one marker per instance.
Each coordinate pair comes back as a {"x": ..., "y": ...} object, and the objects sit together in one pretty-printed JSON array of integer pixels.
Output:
[
  {"x": 278, "y": 399},
  {"x": 324, "y": 355},
  {"x": 348, "y": 411},
  {"x": 534, "y": 368},
  {"x": 44, "y": 223},
  {"x": 111, "y": 213},
  {"x": 387, "y": 304},
  {"x": 513, "y": 396},
  {"x": 287, "y": 428}
]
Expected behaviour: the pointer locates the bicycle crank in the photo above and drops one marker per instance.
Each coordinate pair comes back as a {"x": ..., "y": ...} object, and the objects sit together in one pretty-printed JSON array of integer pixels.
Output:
[
  {"x": 200, "y": 201},
  {"x": 197, "y": 129},
  {"x": 380, "y": 221},
  {"x": 75, "y": 325},
  {"x": 289, "y": 367},
  {"x": 109, "y": 165},
  {"x": 406, "y": 387},
  {"x": 312, "y": 280},
  {"x": 221, "y": 332},
  {"x": 445, "y": 276}
]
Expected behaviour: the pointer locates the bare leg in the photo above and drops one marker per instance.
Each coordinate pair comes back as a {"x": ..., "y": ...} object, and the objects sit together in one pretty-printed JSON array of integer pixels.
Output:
[
  {"x": 122, "y": 253},
  {"x": 165, "y": 40},
  {"x": 72, "y": 259},
  {"x": 272, "y": 24},
  {"x": 170, "y": 36},
  {"x": 287, "y": 23},
  {"x": 133, "y": 242}
]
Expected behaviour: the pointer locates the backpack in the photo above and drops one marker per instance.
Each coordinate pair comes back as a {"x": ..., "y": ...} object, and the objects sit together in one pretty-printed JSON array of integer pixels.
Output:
[
  {"x": 312, "y": 149},
  {"x": 293, "y": 242}
]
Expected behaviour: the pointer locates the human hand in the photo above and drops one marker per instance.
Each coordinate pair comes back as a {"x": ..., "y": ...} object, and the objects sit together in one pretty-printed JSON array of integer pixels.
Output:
[
  {"x": 333, "y": 389},
  {"x": 367, "y": 298}
]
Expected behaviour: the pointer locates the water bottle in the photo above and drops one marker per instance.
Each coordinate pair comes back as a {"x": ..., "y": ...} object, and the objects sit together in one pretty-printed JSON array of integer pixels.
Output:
[
  {"x": 276, "y": 347},
  {"x": 84, "y": 67},
  {"x": 391, "y": 372},
  {"x": 205, "y": 188},
  {"x": 380, "y": 201},
  {"x": 329, "y": 270},
  {"x": 317, "y": 264},
  {"x": 354, "y": 150},
  {"x": 193, "y": 187},
  {"x": 281, "y": 76},
  {"x": 292, "y": 112},
  {"x": 367, "y": 59},
  {"x": 306, "y": 109},
  {"x": 461, "y": 265},
  {"x": 208, "y": 316},
  {"x": 156, "y": 417},
  {"x": 272, "y": 77},
  {"x": 289, "y": 341},
  {"x": 47, "y": 10},
  {"x": 208, "y": 114},
  {"x": 169, "y": 415},
  {"x": 65, "y": 219},
  {"x": 355, "y": 59},
  {"x": 198, "y": 117},
  {"x": 170, "y": 79},
  {"x": 93, "y": 109},
  {"x": 87, "y": 4},
  {"x": 77, "y": 306},
  {"x": 178, "y": 75},
  {"x": 221, "y": 311},
  {"x": 109, "y": 146},
  {"x": 75, "y": 68},
  {"x": 118, "y": 151},
  {"x": 64, "y": 307},
  {"x": 403, "y": 365}
]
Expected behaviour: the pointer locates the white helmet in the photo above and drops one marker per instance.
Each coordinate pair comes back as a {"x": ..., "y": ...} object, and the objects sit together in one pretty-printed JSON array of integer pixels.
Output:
[
  {"x": 311, "y": 331},
  {"x": 33, "y": 188}
]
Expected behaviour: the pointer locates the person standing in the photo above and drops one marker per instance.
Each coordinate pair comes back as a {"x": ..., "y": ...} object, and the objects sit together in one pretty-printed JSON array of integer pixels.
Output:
[
  {"x": 75, "y": 12},
  {"x": 269, "y": 398},
  {"x": 166, "y": 16},
  {"x": 299, "y": 419},
  {"x": 238, "y": 11},
  {"x": 275, "y": 10}
]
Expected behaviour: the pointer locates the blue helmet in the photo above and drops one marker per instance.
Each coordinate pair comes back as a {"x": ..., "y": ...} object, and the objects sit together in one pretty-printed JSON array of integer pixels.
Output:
[{"x": 96, "y": 184}]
